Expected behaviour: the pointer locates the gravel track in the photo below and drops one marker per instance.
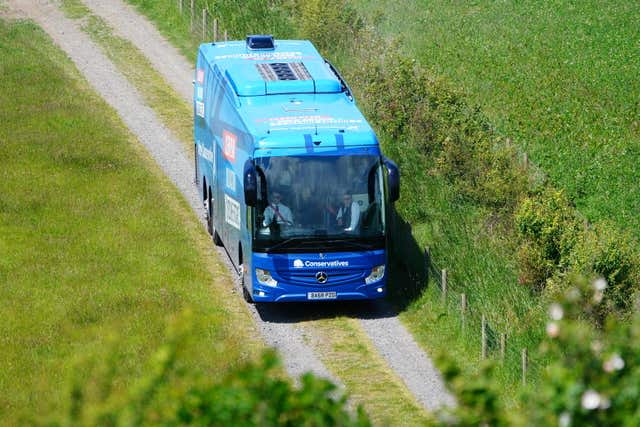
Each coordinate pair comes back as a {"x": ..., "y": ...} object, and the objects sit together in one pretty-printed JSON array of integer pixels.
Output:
[{"x": 276, "y": 325}]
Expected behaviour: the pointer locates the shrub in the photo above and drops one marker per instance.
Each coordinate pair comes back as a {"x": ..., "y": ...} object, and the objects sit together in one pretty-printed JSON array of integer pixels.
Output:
[
  {"x": 593, "y": 376},
  {"x": 478, "y": 402},
  {"x": 170, "y": 394},
  {"x": 548, "y": 229},
  {"x": 606, "y": 252},
  {"x": 329, "y": 24},
  {"x": 591, "y": 380},
  {"x": 535, "y": 268},
  {"x": 452, "y": 139}
]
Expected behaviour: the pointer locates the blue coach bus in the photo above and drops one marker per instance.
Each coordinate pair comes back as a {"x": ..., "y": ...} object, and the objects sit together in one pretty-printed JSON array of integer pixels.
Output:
[{"x": 291, "y": 175}]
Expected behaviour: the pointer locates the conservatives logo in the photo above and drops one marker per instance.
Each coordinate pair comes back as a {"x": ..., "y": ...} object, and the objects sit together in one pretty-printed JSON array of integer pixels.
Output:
[{"x": 300, "y": 264}]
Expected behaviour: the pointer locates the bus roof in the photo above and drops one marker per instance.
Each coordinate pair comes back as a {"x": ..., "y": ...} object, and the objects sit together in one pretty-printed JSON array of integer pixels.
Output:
[{"x": 288, "y": 90}]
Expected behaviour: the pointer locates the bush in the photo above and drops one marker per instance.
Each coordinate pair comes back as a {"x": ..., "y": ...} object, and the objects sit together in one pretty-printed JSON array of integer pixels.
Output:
[
  {"x": 171, "y": 394},
  {"x": 594, "y": 374},
  {"x": 554, "y": 242},
  {"x": 548, "y": 229},
  {"x": 591, "y": 380},
  {"x": 329, "y": 24},
  {"x": 452, "y": 140},
  {"x": 606, "y": 252}
]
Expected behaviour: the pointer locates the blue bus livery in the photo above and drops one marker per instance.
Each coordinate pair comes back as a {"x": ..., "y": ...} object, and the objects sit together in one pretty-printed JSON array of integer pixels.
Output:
[{"x": 291, "y": 175}]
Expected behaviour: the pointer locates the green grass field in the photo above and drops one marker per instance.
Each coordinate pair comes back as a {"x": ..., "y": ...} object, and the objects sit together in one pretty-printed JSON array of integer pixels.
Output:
[
  {"x": 559, "y": 77},
  {"x": 96, "y": 246}
]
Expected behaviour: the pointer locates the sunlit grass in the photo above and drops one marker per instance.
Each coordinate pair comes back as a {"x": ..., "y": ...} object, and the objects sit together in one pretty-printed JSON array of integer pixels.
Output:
[
  {"x": 94, "y": 241},
  {"x": 558, "y": 77}
]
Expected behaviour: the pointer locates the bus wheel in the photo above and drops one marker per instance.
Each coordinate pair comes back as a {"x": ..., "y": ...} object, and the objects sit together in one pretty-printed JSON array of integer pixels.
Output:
[
  {"x": 216, "y": 237},
  {"x": 208, "y": 213},
  {"x": 245, "y": 292},
  {"x": 195, "y": 166}
]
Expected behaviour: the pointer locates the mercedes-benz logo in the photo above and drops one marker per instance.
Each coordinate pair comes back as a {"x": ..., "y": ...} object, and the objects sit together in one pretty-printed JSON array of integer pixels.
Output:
[{"x": 321, "y": 277}]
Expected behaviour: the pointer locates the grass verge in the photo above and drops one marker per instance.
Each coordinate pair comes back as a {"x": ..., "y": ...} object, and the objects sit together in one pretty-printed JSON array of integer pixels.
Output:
[
  {"x": 349, "y": 354},
  {"x": 94, "y": 241}
]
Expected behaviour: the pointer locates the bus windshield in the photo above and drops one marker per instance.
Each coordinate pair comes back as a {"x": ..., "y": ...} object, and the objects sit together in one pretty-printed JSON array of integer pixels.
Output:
[{"x": 319, "y": 203}]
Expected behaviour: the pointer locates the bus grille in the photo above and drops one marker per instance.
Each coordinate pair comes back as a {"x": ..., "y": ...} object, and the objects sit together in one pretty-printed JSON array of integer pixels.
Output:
[{"x": 308, "y": 278}]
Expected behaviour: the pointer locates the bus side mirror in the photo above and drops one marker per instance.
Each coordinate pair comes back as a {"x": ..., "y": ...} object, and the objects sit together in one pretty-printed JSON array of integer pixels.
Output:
[
  {"x": 393, "y": 178},
  {"x": 250, "y": 184}
]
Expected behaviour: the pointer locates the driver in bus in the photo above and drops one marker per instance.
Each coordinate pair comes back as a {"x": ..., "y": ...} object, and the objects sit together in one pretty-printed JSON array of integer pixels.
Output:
[
  {"x": 349, "y": 213},
  {"x": 277, "y": 212}
]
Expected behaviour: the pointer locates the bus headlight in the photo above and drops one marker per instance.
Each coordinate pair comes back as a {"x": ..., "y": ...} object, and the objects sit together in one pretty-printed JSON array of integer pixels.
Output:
[
  {"x": 264, "y": 277},
  {"x": 377, "y": 273}
]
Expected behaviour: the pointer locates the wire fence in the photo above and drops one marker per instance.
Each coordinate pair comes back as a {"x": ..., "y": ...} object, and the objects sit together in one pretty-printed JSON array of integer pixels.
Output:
[
  {"x": 492, "y": 337},
  {"x": 203, "y": 24}
]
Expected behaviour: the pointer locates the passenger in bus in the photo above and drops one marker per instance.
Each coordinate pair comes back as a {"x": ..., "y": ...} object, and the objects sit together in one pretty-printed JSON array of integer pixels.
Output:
[
  {"x": 348, "y": 215},
  {"x": 277, "y": 212}
]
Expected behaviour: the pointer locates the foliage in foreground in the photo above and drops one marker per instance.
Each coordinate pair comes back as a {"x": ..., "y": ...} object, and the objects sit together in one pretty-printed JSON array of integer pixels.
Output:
[
  {"x": 170, "y": 394},
  {"x": 593, "y": 379}
]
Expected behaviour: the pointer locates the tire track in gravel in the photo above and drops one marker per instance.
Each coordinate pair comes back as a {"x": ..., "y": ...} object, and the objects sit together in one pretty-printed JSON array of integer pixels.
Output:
[
  {"x": 165, "y": 149},
  {"x": 391, "y": 339}
]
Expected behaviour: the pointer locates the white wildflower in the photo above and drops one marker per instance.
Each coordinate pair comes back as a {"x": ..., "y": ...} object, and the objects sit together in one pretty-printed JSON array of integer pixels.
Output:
[
  {"x": 564, "y": 420},
  {"x": 600, "y": 284},
  {"x": 553, "y": 330},
  {"x": 605, "y": 403},
  {"x": 556, "y": 312},
  {"x": 614, "y": 363},
  {"x": 573, "y": 294},
  {"x": 591, "y": 400},
  {"x": 596, "y": 347},
  {"x": 597, "y": 297}
]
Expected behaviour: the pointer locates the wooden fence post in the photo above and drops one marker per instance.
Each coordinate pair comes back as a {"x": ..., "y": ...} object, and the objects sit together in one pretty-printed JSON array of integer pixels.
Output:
[
  {"x": 463, "y": 309},
  {"x": 484, "y": 337},
  {"x": 180, "y": 6},
  {"x": 443, "y": 278},
  {"x": 526, "y": 160},
  {"x": 215, "y": 30},
  {"x": 192, "y": 15},
  {"x": 525, "y": 365},
  {"x": 225, "y": 36},
  {"x": 204, "y": 24},
  {"x": 427, "y": 260}
]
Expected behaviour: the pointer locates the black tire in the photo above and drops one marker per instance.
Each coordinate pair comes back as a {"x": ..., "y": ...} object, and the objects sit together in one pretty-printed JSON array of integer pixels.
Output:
[
  {"x": 216, "y": 238},
  {"x": 209, "y": 215},
  {"x": 195, "y": 163},
  {"x": 245, "y": 292}
]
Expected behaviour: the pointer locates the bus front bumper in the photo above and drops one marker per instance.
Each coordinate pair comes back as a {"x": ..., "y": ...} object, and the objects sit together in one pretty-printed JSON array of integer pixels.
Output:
[{"x": 293, "y": 293}]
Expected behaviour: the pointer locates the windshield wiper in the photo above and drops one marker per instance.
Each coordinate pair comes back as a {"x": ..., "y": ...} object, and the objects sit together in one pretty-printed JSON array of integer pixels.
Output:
[
  {"x": 321, "y": 243},
  {"x": 284, "y": 243},
  {"x": 348, "y": 242}
]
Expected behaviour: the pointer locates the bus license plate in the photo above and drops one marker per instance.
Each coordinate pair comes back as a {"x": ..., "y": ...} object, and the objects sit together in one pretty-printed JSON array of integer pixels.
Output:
[{"x": 321, "y": 295}]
